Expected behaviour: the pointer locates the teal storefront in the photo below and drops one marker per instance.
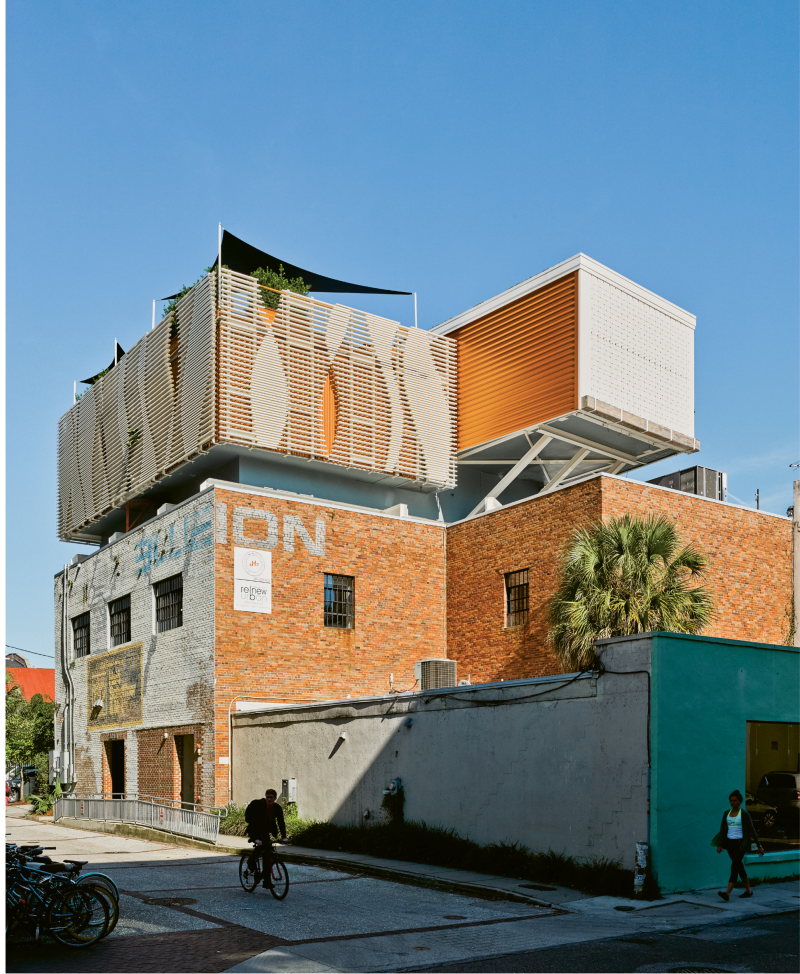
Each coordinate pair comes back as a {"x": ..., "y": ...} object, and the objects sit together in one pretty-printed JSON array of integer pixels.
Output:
[{"x": 723, "y": 714}]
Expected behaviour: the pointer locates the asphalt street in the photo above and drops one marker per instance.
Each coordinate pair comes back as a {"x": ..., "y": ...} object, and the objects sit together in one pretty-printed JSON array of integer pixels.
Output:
[
  {"x": 760, "y": 944},
  {"x": 183, "y": 910}
]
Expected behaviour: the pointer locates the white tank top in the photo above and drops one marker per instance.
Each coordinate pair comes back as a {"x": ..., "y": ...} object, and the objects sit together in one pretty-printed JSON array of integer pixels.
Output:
[{"x": 735, "y": 826}]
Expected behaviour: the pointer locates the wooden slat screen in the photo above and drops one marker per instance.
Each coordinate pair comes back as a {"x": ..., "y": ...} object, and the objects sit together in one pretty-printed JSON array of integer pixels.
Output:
[
  {"x": 150, "y": 413},
  {"x": 518, "y": 365},
  {"x": 394, "y": 387}
]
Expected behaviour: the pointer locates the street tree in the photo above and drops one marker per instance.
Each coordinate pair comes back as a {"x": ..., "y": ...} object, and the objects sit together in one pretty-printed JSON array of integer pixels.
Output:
[{"x": 624, "y": 576}]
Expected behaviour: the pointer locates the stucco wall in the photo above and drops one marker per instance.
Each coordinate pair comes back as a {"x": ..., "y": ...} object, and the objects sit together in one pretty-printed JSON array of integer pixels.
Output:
[
  {"x": 704, "y": 692},
  {"x": 548, "y": 765}
]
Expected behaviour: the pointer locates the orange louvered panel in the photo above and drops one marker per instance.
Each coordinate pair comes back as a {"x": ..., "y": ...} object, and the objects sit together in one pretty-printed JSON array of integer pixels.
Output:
[
  {"x": 518, "y": 365},
  {"x": 328, "y": 413}
]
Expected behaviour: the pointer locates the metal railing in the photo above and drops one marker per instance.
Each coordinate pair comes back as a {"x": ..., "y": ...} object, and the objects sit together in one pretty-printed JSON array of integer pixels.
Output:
[{"x": 169, "y": 815}]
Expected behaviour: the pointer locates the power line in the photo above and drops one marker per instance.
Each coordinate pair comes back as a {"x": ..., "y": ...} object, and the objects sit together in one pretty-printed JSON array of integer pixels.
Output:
[{"x": 32, "y": 653}]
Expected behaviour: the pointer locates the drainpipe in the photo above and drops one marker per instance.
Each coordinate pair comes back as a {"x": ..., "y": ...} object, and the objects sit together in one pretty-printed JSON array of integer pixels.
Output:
[{"x": 69, "y": 723}]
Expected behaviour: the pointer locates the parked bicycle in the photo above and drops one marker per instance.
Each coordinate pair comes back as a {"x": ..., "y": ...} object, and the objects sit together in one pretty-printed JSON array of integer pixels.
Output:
[
  {"x": 263, "y": 865},
  {"x": 47, "y": 897}
]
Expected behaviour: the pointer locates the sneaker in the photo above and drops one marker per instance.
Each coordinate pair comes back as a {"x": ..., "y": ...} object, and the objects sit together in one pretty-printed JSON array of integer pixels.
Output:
[
  {"x": 743, "y": 896},
  {"x": 724, "y": 896}
]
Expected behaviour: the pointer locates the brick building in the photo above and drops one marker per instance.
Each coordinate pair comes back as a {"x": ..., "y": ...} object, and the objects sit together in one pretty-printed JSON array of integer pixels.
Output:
[{"x": 298, "y": 504}]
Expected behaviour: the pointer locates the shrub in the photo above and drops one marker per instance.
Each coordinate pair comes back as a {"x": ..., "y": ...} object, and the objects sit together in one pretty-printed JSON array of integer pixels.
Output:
[
  {"x": 279, "y": 281},
  {"x": 435, "y": 845}
]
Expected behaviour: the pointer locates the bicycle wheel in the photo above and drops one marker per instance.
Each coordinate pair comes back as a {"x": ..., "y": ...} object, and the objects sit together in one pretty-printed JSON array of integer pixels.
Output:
[
  {"x": 278, "y": 878},
  {"x": 100, "y": 879},
  {"x": 249, "y": 873},
  {"x": 111, "y": 903},
  {"x": 77, "y": 917}
]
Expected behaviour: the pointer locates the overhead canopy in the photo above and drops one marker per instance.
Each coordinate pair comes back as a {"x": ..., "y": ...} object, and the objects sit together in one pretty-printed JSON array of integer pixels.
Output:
[
  {"x": 117, "y": 357},
  {"x": 245, "y": 258}
]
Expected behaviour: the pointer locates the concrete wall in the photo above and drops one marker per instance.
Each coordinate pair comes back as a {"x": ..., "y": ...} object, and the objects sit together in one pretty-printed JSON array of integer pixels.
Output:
[
  {"x": 543, "y": 763},
  {"x": 167, "y": 686}
]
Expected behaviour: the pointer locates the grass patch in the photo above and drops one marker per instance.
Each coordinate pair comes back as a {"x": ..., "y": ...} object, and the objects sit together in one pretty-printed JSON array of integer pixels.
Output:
[{"x": 437, "y": 846}]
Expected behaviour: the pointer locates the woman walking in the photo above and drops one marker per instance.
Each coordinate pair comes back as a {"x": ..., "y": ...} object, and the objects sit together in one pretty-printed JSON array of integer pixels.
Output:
[{"x": 735, "y": 835}]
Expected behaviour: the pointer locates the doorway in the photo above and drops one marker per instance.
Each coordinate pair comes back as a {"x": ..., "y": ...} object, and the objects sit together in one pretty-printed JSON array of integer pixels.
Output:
[
  {"x": 115, "y": 751},
  {"x": 184, "y": 744}
]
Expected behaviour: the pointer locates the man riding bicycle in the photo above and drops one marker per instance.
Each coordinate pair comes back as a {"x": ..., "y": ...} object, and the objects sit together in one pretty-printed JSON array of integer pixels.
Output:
[{"x": 264, "y": 817}]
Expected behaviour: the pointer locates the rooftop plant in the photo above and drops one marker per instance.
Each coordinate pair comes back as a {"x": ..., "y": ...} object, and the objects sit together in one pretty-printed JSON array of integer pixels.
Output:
[{"x": 280, "y": 282}]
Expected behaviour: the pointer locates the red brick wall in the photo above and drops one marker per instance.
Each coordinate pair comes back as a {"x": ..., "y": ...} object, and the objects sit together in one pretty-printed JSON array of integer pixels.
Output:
[
  {"x": 750, "y": 551},
  {"x": 750, "y": 574},
  {"x": 289, "y": 655},
  {"x": 159, "y": 766},
  {"x": 479, "y": 553}
]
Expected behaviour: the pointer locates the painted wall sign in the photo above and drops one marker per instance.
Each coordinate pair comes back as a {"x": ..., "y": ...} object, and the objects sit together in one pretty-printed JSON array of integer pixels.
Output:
[
  {"x": 195, "y": 531},
  {"x": 252, "y": 580},
  {"x": 115, "y": 679}
]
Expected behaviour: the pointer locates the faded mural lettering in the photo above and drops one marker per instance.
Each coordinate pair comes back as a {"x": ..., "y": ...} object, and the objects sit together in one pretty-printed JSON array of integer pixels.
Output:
[{"x": 195, "y": 531}]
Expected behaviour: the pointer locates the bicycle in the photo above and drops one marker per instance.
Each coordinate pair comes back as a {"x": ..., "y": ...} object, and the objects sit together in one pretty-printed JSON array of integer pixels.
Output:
[
  {"x": 75, "y": 917},
  {"x": 251, "y": 873},
  {"x": 48, "y": 896}
]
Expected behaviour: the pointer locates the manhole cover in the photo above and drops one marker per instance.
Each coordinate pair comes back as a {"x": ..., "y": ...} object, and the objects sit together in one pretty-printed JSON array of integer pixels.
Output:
[
  {"x": 169, "y": 901},
  {"x": 454, "y": 916},
  {"x": 698, "y": 970},
  {"x": 544, "y": 889}
]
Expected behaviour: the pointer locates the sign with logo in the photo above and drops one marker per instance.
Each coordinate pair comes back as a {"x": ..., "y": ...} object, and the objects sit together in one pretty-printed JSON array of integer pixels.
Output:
[{"x": 252, "y": 580}]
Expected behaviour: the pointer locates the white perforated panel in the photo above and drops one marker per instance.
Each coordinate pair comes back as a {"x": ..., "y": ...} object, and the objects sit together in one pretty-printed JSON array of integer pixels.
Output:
[{"x": 640, "y": 358}]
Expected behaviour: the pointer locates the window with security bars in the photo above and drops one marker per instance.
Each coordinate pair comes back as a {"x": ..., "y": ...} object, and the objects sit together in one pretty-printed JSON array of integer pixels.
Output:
[
  {"x": 119, "y": 613},
  {"x": 169, "y": 603},
  {"x": 340, "y": 608},
  {"x": 81, "y": 641},
  {"x": 517, "y": 598}
]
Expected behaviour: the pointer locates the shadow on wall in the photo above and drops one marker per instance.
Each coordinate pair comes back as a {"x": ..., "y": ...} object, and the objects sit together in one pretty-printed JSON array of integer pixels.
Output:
[{"x": 497, "y": 764}]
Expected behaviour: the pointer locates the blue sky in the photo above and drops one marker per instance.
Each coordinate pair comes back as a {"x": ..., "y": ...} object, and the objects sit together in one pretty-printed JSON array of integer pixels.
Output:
[{"x": 452, "y": 148}]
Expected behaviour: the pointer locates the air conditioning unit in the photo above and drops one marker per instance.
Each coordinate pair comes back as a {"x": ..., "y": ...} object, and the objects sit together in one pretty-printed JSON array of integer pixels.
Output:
[
  {"x": 696, "y": 480},
  {"x": 431, "y": 674}
]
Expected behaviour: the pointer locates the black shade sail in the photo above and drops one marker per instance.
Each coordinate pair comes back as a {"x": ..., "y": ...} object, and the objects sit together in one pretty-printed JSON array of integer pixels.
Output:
[
  {"x": 94, "y": 378},
  {"x": 244, "y": 258}
]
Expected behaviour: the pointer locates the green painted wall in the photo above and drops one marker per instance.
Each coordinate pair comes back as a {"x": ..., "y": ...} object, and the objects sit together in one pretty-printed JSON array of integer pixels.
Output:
[{"x": 703, "y": 693}]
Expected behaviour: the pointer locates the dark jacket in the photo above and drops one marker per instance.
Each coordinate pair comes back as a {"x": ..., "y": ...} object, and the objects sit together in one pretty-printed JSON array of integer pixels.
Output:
[
  {"x": 256, "y": 817},
  {"x": 748, "y": 830}
]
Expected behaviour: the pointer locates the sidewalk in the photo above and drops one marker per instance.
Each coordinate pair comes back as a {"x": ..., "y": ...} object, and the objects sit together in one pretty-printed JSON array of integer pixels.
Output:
[{"x": 772, "y": 897}]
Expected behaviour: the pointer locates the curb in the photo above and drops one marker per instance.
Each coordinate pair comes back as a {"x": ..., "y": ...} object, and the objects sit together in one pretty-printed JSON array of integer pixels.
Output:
[
  {"x": 143, "y": 832},
  {"x": 342, "y": 865}
]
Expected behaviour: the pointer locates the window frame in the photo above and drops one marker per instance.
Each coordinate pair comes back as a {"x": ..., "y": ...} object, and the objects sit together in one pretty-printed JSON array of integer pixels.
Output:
[
  {"x": 348, "y": 613},
  {"x": 156, "y": 623},
  {"x": 111, "y": 643},
  {"x": 87, "y": 628},
  {"x": 516, "y": 608}
]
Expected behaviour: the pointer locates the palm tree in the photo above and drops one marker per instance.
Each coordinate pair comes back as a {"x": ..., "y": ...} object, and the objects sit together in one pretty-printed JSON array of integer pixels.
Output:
[{"x": 624, "y": 576}]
